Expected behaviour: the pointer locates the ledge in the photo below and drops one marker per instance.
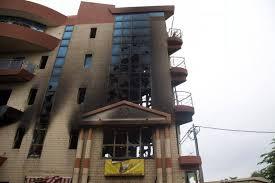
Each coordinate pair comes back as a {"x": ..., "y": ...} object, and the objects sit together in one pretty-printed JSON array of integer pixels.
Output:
[
  {"x": 15, "y": 38},
  {"x": 178, "y": 75},
  {"x": 183, "y": 114},
  {"x": 190, "y": 162},
  {"x": 32, "y": 11},
  {"x": 15, "y": 75}
]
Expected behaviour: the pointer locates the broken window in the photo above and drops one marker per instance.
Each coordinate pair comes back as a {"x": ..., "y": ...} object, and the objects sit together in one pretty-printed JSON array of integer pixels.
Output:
[
  {"x": 81, "y": 95},
  {"x": 73, "y": 139},
  {"x": 18, "y": 137},
  {"x": 32, "y": 96},
  {"x": 37, "y": 142},
  {"x": 4, "y": 96},
  {"x": 123, "y": 143},
  {"x": 93, "y": 32},
  {"x": 43, "y": 62},
  {"x": 191, "y": 176}
]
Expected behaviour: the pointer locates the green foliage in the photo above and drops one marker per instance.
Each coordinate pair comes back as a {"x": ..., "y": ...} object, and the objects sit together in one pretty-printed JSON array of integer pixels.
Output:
[{"x": 269, "y": 171}]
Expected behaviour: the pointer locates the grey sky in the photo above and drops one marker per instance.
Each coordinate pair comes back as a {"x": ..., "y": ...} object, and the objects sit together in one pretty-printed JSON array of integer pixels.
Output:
[{"x": 229, "y": 49}]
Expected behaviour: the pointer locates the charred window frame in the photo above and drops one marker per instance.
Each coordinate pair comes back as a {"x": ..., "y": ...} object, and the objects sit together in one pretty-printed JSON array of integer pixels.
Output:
[
  {"x": 73, "y": 139},
  {"x": 18, "y": 137},
  {"x": 43, "y": 62},
  {"x": 81, "y": 95},
  {"x": 93, "y": 32},
  {"x": 32, "y": 96},
  {"x": 126, "y": 143}
]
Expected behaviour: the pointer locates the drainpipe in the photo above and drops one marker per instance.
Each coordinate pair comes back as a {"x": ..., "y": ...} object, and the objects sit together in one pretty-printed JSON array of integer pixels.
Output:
[
  {"x": 158, "y": 157},
  {"x": 87, "y": 157},
  {"x": 168, "y": 156},
  {"x": 78, "y": 156}
]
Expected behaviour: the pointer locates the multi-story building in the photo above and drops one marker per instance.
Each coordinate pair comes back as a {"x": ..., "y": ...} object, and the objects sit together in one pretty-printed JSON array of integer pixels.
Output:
[{"x": 91, "y": 97}]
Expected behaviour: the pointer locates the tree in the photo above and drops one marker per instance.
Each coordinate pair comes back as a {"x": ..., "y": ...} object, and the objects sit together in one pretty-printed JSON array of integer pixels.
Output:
[{"x": 269, "y": 171}]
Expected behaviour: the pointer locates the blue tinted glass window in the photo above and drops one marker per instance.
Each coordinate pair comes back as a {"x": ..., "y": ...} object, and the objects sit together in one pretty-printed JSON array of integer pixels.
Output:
[
  {"x": 88, "y": 61},
  {"x": 115, "y": 59},
  {"x": 141, "y": 17},
  {"x": 125, "y": 49},
  {"x": 141, "y": 24},
  {"x": 118, "y": 32},
  {"x": 67, "y": 35},
  {"x": 141, "y": 32},
  {"x": 59, "y": 62},
  {"x": 69, "y": 28},
  {"x": 157, "y": 14},
  {"x": 53, "y": 85},
  {"x": 119, "y": 18},
  {"x": 118, "y": 25},
  {"x": 116, "y": 50},
  {"x": 126, "y": 32},
  {"x": 56, "y": 71},
  {"x": 62, "y": 51},
  {"x": 142, "y": 40},
  {"x": 64, "y": 42}
]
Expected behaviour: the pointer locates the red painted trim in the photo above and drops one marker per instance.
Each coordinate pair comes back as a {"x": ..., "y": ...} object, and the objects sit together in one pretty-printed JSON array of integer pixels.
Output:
[{"x": 15, "y": 38}]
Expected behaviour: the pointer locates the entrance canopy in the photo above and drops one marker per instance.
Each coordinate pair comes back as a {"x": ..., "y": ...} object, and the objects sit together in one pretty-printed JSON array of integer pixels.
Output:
[{"x": 125, "y": 113}]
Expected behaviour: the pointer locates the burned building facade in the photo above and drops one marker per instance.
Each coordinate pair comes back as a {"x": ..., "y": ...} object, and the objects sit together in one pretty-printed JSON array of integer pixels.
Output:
[{"x": 91, "y": 97}]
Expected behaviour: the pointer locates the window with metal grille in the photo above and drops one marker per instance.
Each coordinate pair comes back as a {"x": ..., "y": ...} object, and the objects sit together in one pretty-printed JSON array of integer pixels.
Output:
[{"x": 18, "y": 137}]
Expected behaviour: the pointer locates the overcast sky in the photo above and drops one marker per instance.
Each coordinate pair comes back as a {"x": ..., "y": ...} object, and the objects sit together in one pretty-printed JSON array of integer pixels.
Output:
[{"x": 229, "y": 46}]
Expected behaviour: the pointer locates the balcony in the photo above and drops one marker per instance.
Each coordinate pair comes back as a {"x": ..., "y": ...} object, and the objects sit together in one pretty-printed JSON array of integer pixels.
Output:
[
  {"x": 190, "y": 162},
  {"x": 174, "y": 40},
  {"x": 178, "y": 70},
  {"x": 15, "y": 70},
  {"x": 184, "y": 109},
  {"x": 20, "y": 38}
]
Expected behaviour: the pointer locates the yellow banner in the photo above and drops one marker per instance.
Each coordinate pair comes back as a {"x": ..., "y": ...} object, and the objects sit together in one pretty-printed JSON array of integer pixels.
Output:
[{"x": 132, "y": 167}]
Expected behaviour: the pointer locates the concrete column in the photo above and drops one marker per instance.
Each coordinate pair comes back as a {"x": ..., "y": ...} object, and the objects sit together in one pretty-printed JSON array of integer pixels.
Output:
[
  {"x": 158, "y": 157},
  {"x": 87, "y": 157},
  {"x": 168, "y": 155},
  {"x": 78, "y": 156}
]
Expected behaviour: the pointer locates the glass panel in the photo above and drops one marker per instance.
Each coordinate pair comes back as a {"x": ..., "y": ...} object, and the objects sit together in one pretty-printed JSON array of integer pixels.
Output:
[
  {"x": 121, "y": 137},
  {"x": 62, "y": 51},
  {"x": 64, "y": 42},
  {"x": 108, "y": 136},
  {"x": 67, "y": 35},
  {"x": 116, "y": 50},
  {"x": 59, "y": 62},
  {"x": 115, "y": 59},
  {"x": 133, "y": 136},
  {"x": 120, "y": 151},
  {"x": 146, "y": 137},
  {"x": 88, "y": 61},
  {"x": 107, "y": 151},
  {"x": 147, "y": 151},
  {"x": 56, "y": 71},
  {"x": 69, "y": 28},
  {"x": 157, "y": 14},
  {"x": 134, "y": 151},
  {"x": 117, "y": 32},
  {"x": 192, "y": 177},
  {"x": 138, "y": 24},
  {"x": 118, "y": 18},
  {"x": 140, "y": 32},
  {"x": 141, "y": 16}
]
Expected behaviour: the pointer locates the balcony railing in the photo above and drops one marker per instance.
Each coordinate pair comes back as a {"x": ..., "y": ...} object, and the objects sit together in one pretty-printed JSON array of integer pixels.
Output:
[
  {"x": 177, "y": 62},
  {"x": 183, "y": 98},
  {"x": 16, "y": 64},
  {"x": 175, "y": 33}
]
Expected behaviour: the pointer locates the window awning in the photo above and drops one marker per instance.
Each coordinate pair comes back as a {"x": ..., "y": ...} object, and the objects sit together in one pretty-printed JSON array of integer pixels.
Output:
[
  {"x": 48, "y": 179},
  {"x": 125, "y": 113}
]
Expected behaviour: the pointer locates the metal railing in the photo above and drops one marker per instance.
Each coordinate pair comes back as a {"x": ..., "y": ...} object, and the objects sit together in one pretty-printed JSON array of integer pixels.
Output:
[
  {"x": 16, "y": 64},
  {"x": 183, "y": 98},
  {"x": 175, "y": 33},
  {"x": 177, "y": 62}
]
